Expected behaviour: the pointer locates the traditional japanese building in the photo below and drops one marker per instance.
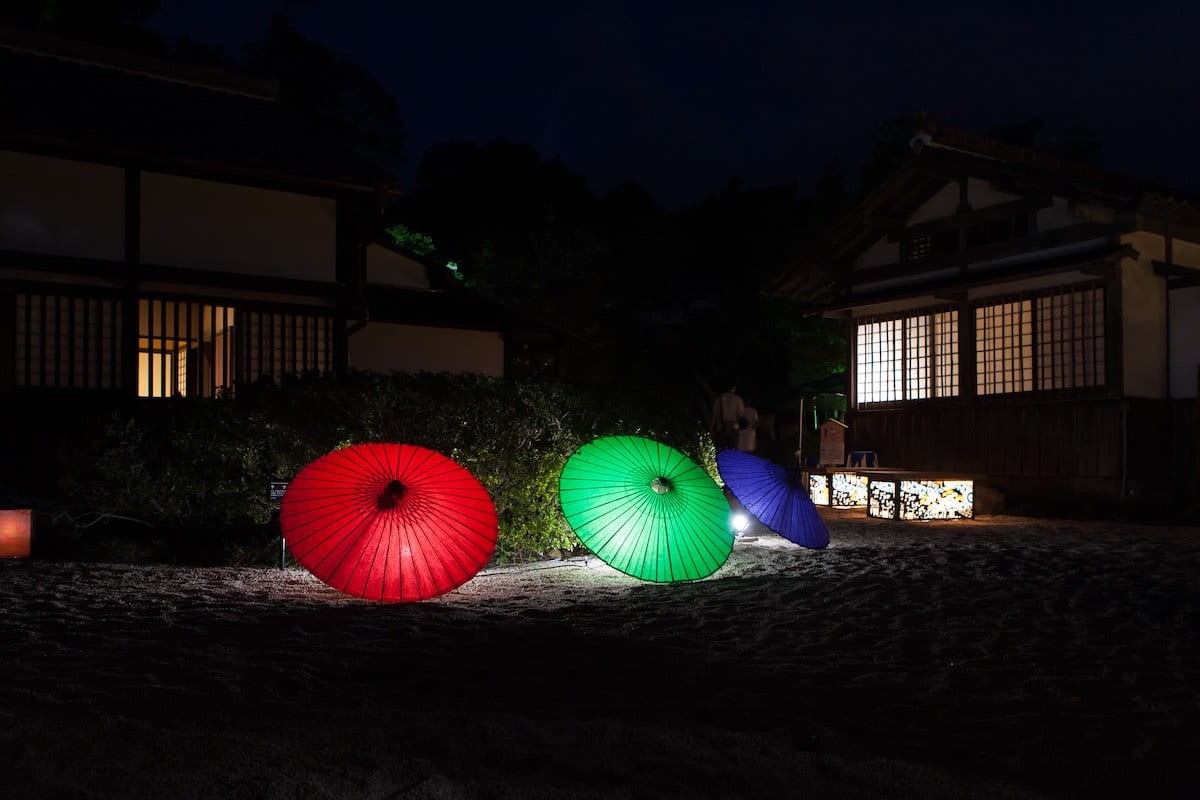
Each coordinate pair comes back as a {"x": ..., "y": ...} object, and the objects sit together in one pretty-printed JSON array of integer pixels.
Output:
[
  {"x": 1018, "y": 317},
  {"x": 173, "y": 231}
]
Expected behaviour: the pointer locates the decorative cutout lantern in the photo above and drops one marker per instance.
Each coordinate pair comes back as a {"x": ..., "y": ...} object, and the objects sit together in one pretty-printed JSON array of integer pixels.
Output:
[
  {"x": 847, "y": 490},
  {"x": 818, "y": 488},
  {"x": 921, "y": 499},
  {"x": 16, "y": 526}
]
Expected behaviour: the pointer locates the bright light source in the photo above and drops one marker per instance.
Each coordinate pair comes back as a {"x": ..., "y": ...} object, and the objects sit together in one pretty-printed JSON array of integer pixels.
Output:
[
  {"x": 740, "y": 522},
  {"x": 15, "y": 527},
  {"x": 921, "y": 499}
]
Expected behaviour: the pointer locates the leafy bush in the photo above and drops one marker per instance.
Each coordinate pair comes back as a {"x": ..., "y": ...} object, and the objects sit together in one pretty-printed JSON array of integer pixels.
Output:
[{"x": 201, "y": 467}]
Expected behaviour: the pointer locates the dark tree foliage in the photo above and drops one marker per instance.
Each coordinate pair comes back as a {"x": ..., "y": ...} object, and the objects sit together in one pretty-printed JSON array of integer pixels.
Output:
[
  {"x": 521, "y": 230},
  {"x": 889, "y": 149},
  {"x": 347, "y": 104},
  {"x": 1078, "y": 142},
  {"x": 673, "y": 298},
  {"x": 1022, "y": 132},
  {"x": 115, "y": 23}
]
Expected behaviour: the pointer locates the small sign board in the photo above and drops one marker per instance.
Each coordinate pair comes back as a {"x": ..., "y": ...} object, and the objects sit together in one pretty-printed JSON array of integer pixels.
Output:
[
  {"x": 277, "y": 490},
  {"x": 833, "y": 443}
]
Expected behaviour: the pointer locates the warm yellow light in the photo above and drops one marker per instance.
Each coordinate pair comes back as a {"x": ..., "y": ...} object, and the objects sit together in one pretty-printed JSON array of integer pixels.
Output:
[
  {"x": 937, "y": 499},
  {"x": 818, "y": 489},
  {"x": 848, "y": 490},
  {"x": 921, "y": 499},
  {"x": 15, "y": 528}
]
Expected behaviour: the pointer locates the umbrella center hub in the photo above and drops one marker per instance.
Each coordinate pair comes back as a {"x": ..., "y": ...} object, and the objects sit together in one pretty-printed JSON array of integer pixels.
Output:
[
  {"x": 391, "y": 495},
  {"x": 661, "y": 485}
]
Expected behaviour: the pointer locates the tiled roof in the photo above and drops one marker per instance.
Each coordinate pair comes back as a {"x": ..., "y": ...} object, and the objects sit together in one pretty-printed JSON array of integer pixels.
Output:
[{"x": 128, "y": 115}]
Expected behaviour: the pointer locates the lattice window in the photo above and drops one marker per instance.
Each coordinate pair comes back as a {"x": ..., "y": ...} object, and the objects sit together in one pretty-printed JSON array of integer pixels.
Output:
[
  {"x": 274, "y": 344},
  {"x": 909, "y": 358},
  {"x": 917, "y": 248},
  {"x": 67, "y": 341},
  {"x": 945, "y": 354},
  {"x": 185, "y": 349},
  {"x": 879, "y": 351},
  {"x": 1070, "y": 347},
  {"x": 1004, "y": 347},
  {"x": 1045, "y": 342}
]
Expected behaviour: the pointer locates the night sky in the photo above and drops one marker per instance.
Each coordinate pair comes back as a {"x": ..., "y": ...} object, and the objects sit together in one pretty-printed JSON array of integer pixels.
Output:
[{"x": 681, "y": 96}]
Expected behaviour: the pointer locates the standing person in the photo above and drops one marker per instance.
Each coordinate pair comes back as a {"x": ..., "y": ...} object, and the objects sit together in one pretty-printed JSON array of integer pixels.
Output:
[
  {"x": 728, "y": 408},
  {"x": 747, "y": 435}
]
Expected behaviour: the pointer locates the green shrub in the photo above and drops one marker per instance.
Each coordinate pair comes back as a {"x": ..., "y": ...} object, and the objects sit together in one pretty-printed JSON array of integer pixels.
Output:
[{"x": 202, "y": 467}]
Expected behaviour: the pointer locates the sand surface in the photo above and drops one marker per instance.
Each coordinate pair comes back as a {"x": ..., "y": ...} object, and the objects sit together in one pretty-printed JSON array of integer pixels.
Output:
[{"x": 997, "y": 658}]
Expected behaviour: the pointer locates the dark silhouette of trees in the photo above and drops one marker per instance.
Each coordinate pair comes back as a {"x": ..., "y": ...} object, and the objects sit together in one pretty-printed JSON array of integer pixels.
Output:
[
  {"x": 116, "y": 23},
  {"x": 671, "y": 300},
  {"x": 1078, "y": 142},
  {"x": 1022, "y": 132},
  {"x": 346, "y": 105},
  {"x": 521, "y": 230},
  {"x": 674, "y": 298},
  {"x": 889, "y": 149}
]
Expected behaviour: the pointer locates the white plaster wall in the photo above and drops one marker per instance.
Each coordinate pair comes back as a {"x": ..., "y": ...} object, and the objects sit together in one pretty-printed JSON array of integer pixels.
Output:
[
  {"x": 894, "y": 306},
  {"x": 1149, "y": 245},
  {"x": 389, "y": 268},
  {"x": 943, "y": 204},
  {"x": 980, "y": 194},
  {"x": 1144, "y": 308},
  {"x": 385, "y": 347},
  {"x": 880, "y": 253},
  {"x": 947, "y": 274},
  {"x": 1058, "y": 215},
  {"x": 59, "y": 207},
  {"x": 1185, "y": 254},
  {"x": 200, "y": 224},
  {"x": 1185, "y": 341},
  {"x": 1029, "y": 284}
]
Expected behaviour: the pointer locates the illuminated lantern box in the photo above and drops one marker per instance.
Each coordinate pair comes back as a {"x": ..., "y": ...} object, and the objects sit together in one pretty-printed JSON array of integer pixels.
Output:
[
  {"x": 16, "y": 525},
  {"x": 838, "y": 489},
  {"x": 896, "y": 497}
]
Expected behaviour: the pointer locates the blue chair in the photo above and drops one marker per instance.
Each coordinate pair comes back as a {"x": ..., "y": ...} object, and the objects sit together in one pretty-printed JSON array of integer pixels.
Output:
[{"x": 865, "y": 459}]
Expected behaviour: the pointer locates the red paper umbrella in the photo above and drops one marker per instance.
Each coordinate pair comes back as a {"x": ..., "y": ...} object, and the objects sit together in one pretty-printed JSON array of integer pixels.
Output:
[{"x": 391, "y": 522}]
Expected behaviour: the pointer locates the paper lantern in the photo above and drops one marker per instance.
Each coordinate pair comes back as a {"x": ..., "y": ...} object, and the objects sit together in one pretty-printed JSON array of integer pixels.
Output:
[
  {"x": 921, "y": 499},
  {"x": 16, "y": 527}
]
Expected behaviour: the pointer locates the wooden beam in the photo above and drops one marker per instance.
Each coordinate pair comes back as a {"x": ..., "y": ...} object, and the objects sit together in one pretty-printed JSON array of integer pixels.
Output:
[
  {"x": 119, "y": 271},
  {"x": 1072, "y": 262},
  {"x": 1010, "y": 209},
  {"x": 883, "y": 223},
  {"x": 104, "y": 57},
  {"x": 1177, "y": 276},
  {"x": 1042, "y": 240},
  {"x": 228, "y": 171}
]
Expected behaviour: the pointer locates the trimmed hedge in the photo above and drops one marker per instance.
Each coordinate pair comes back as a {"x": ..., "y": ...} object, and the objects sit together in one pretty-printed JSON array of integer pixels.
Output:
[{"x": 199, "y": 469}]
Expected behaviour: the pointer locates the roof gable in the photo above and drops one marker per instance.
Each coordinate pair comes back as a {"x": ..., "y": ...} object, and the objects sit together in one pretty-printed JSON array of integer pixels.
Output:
[
  {"x": 78, "y": 109},
  {"x": 996, "y": 175}
]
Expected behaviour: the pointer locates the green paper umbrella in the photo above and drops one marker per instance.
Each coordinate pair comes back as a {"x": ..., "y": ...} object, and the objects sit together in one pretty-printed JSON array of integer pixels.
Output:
[{"x": 646, "y": 509}]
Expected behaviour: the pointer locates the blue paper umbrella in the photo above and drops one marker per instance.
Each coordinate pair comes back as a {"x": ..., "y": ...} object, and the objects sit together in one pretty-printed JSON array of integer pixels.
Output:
[{"x": 775, "y": 496}]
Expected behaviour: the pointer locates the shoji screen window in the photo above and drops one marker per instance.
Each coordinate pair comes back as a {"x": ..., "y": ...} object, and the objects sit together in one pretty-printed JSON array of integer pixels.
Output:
[
  {"x": 67, "y": 341},
  {"x": 184, "y": 349},
  {"x": 1004, "y": 347},
  {"x": 914, "y": 357},
  {"x": 1070, "y": 339},
  {"x": 1045, "y": 342}
]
